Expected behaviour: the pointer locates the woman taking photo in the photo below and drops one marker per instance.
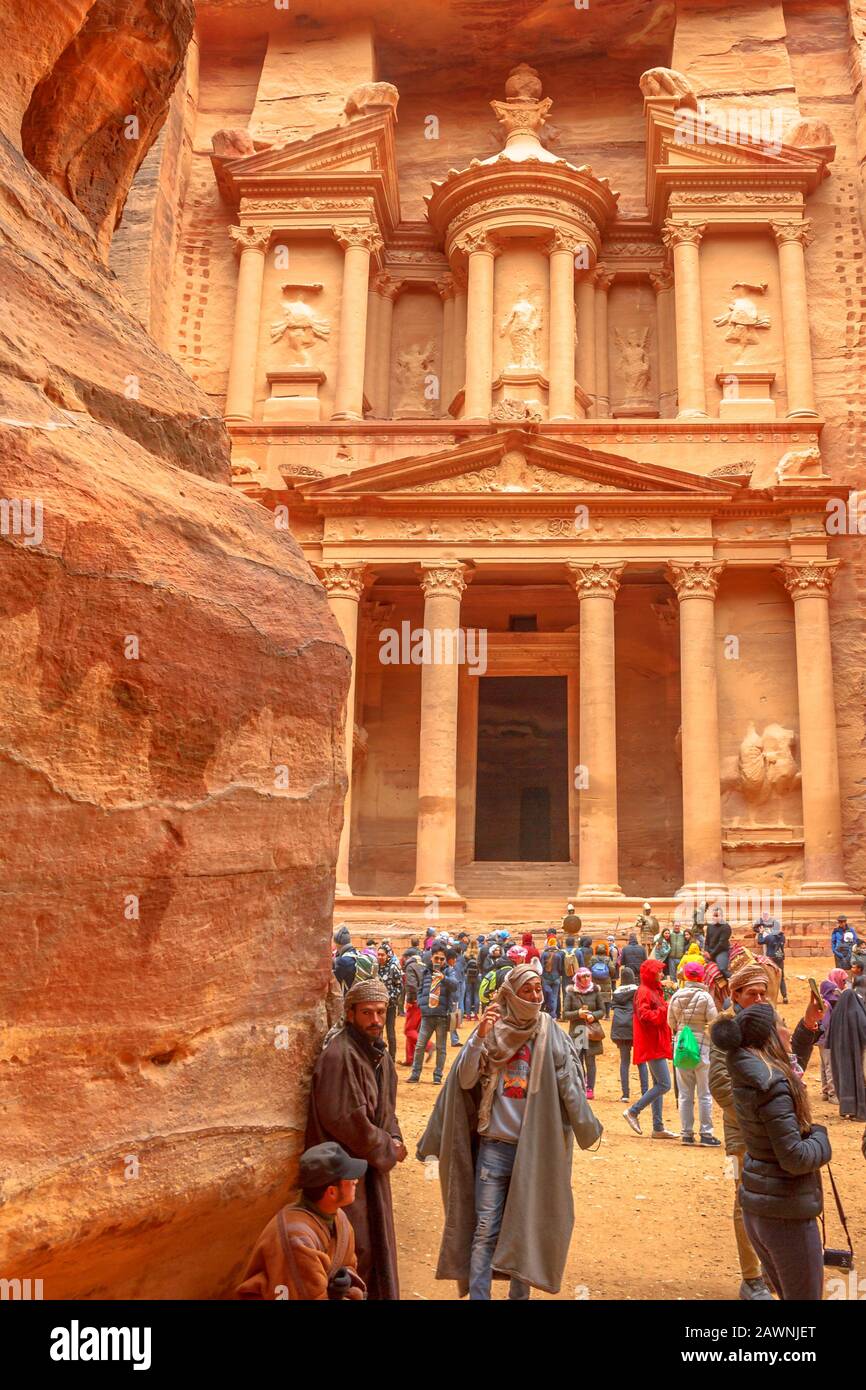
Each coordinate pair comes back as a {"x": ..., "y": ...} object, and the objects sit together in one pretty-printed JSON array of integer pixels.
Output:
[{"x": 780, "y": 1187}]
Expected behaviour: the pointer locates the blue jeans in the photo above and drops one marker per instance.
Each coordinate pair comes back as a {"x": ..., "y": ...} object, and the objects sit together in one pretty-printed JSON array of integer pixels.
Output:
[
  {"x": 429, "y": 1026},
  {"x": 470, "y": 997},
  {"x": 550, "y": 990},
  {"x": 625, "y": 1069},
  {"x": 661, "y": 1084},
  {"x": 722, "y": 961},
  {"x": 492, "y": 1180}
]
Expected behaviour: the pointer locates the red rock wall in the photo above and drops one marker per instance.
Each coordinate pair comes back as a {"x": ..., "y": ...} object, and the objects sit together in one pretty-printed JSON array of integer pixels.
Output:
[{"x": 170, "y": 805}]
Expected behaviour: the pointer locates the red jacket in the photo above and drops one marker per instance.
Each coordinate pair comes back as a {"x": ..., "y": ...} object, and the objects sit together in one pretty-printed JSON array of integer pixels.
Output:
[
  {"x": 532, "y": 952},
  {"x": 652, "y": 1036}
]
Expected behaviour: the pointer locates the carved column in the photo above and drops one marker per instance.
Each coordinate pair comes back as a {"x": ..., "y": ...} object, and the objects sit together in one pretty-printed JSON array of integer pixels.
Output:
[
  {"x": 561, "y": 250},
  {"x": 443, "y": 584},
  {"x": 662, "y": 282},
  {"x": 459, "y": 330},
  {"x": 448, "y": 385},
  {"x": 684, "y": 239},
  {"x": 596, "y": 586},
  {"x": 792, "y": 238},
  {"x": 586, "y": 335},
  {"x": 809, "y": 582},
  {"x": 344, "y": 585},
  {"x": 241, "y": 389},
  {"x": 358, "y": 243},
  {"x": 482, "y": 254},
  {"x": 695, "y": 583},
  {"x": 604, "y": 278},
  {"x": 385, "y": 290}
]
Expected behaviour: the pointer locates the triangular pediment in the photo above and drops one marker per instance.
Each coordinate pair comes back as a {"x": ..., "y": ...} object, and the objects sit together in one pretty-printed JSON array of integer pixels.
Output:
[
  {"x": 363, "y": 147},
  {"x": 514, "y": 464}
]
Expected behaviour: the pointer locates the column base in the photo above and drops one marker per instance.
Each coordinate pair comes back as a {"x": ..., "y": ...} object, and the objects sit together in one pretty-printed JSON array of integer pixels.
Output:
[
  {"x": 436, "y": 890},
  {"x": 693, "y": 415},
  {"x": 342, "y": 890},
  {"x": 600, "y": 890},
  {"x": 237, "y": 419},
  {"x": 347, "y": 415},
  {"x": 802, "y": 415}
]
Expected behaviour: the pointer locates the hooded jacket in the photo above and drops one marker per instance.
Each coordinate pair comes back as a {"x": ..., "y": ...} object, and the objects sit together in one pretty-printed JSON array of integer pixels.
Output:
[
  {"x": 532, "y": 952},
  {"x": 633, "y": 955},
  {"x": 781, "y": 1170},
  {"x": 652, "y": 1036},
  {"x": 622, "y": 1014}
]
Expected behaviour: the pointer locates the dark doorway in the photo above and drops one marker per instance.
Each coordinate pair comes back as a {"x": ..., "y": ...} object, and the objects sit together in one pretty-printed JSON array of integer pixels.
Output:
[{"x": 521, "y": 804}]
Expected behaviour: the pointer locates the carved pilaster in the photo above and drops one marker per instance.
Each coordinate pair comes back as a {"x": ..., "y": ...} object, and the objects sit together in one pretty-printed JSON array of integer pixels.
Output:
[{"x": 661, "y": 280}]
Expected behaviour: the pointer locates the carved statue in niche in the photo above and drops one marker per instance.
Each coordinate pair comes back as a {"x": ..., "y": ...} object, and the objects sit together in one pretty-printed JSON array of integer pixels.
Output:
[
  {"x": 765, "y": 767},
  {"x": 634, "y": 362},
  {"x": 522, "y": 326},
  {"x": 412, "y": 365},
  {"x": 743, "y": 318},
  {"x": 299, "y": 324}
]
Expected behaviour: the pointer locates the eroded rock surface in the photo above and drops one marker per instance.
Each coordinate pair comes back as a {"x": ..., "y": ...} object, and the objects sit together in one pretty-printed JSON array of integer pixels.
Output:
[{"x": 171, "y": 780}]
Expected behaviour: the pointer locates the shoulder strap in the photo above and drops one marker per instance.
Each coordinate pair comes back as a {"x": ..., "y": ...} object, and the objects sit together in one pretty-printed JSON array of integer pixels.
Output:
[
  {"x": 341, "y": 1244},
  {"x": 839, "y": 1209}
]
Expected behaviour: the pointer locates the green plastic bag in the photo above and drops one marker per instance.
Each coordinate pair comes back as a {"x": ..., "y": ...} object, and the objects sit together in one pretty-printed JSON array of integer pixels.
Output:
[{"x": 687, "y": 1053}]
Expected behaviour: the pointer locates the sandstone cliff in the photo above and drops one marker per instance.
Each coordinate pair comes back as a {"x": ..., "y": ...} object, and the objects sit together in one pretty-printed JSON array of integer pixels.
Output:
[{"x": 171, "y": 693}]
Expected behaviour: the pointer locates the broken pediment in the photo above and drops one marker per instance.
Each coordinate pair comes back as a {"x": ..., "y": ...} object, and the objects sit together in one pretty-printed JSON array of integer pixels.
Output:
[{"x": 514, "y": 464}]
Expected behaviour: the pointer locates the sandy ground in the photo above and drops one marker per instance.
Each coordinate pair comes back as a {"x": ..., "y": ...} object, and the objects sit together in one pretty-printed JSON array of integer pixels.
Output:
[{"x": 652, "y": 1218}]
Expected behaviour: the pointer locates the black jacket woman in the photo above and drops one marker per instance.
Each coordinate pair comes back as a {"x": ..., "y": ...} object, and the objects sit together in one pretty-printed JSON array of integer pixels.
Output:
[{"x": 780, "y": 1186}]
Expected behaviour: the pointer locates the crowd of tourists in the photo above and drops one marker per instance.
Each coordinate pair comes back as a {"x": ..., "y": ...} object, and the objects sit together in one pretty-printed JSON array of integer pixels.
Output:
[{"x": 691, "y": 1010}]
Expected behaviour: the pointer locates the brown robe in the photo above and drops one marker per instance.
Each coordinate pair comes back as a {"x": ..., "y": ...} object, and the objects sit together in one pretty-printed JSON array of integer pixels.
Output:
[
  {"x": 297, "y": 1253},
  {"x": 353, "y": 1101}
]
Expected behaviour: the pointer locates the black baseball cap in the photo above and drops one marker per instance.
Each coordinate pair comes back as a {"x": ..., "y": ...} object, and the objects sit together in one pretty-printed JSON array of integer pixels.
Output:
[{"x": 328, "y": 1163}]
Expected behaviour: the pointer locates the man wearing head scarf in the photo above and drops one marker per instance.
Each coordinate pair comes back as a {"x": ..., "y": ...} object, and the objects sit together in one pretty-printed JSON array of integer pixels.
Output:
[
  {"x": 502, "y": 1131},
  {"x": 751, "y": 983},
  {"x": 353, "y": 1103}
]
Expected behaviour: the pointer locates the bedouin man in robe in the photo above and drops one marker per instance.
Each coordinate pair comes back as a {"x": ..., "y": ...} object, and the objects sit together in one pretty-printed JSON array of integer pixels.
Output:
[
  {"x": 503, "y": 1130},
  {"x": 353, "y": 1102}
]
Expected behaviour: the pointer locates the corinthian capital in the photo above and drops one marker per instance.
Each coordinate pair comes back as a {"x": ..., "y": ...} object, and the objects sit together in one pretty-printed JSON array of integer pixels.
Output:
[
  {"x": 808, "y": 578},
  {"x": 476, "y": 242},
  {"x": 597, "y": 580},
  {"x": 251, "y": 238},
  {"x": 361, "y": 234},
  {"x": 386, "y": 286},
  {"x": 443, "y": 579},
  {"x": 792, "y": 231},
  {"x": 603, "y": 277},
  {"x": 695, "y": 578},
  {"x": 343, "y": 581},
  {"x": 661, "y": 280},
  {"x": 563, "y": 240},
  {"x": 682, "y": 233}
]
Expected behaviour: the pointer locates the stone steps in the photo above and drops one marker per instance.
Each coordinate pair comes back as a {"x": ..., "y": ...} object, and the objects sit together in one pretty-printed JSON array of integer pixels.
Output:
[{"x": 513, "y": 880}]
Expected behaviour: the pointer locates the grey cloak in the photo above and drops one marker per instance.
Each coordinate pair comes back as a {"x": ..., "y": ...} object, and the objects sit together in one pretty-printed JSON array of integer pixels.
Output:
[
  {"x": 846, "y": 1039},
  {"x": 539, "y": 1212}
]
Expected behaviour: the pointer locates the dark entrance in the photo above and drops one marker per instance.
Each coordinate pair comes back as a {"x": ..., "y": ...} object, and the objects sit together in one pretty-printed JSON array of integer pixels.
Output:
[{"x": 521, "y": 803}]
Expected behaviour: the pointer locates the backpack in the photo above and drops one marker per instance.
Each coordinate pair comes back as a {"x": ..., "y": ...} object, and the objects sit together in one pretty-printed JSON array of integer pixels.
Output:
[
  {"x": 548, "y": 959},
  {"x": 570, "y": 962},
  {"x": 687, "y": 1053},
  {"x": 488, "y": 987},
  {"x": 600, "y": 970},
  {"x": 471, "y": 969}
]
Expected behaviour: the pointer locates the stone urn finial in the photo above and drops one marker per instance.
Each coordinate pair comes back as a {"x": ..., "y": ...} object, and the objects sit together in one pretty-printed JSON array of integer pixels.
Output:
[
  {"x": 523, "y": 114},
  {"x": 523, "y": 82}
]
